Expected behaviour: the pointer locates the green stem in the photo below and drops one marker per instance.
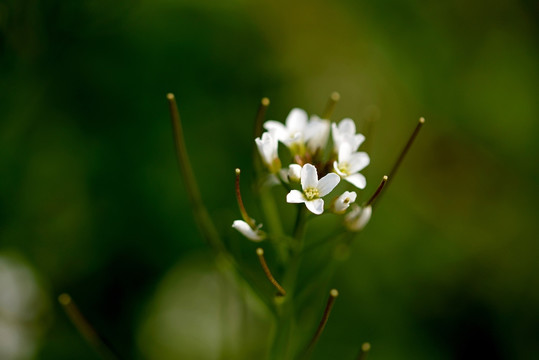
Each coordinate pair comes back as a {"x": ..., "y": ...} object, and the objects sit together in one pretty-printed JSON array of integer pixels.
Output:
[
  {"x": 201, "y": 215},
  {"x": 365, "y": 348},
  {"x": 99, "y": 343},
  {"x": 333, "y": 99},
  {"x": 202, "y": 218},
  {"x": 273, "y": 221},
  {"x": 402, "y": 154},
  {"x": 281, "y": 347},
  {"x": 299, "y": 226},
  {"x": 331, "y": 300}
]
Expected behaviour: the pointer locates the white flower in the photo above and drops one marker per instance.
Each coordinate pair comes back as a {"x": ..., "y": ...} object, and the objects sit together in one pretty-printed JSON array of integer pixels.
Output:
[
  {"x": 343, "y": 202},
  {"x": 356, "y": 219},
  {"x": 313, "y": 189},
  {"x": 317, "y": 133},
  {"x": 250, "y": 233},
  {"x": 350, "y": 163},
  {"x": 268, "y": 149},
  {"x": 345, "y": 133},
  {"x": 292, "y": 134}
]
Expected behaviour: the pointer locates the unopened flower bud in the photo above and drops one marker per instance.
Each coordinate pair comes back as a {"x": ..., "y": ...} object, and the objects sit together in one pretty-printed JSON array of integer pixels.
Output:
[
  {"x": 294, "y": 172},
  {"x": 252, "y": 234},
  {"x": 343, "y": 202},
  {"x": 356, "y": 219},
  {"x": 268, "y": 148}
]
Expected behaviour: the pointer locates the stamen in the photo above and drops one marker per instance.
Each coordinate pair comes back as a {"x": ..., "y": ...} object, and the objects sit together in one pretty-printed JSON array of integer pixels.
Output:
[
  {"x": 201, "y": 215},
  {"x": 332, "y": 296},
  {"x": 260, "y": 253},
  {"x": 312, "y": 193},
  {"x": 244, "y": 214},
  {"x": 85, "y": 329},
  {"x": 365, "y": 348},
  {"x": 344, "y": 168},
  {"x": 333, "y": 99},
  {"x": 378, "y": 191}
]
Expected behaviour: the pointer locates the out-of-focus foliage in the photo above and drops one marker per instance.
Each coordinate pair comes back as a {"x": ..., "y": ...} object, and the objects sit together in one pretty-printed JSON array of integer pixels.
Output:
[{"x": 91, "y": 196}]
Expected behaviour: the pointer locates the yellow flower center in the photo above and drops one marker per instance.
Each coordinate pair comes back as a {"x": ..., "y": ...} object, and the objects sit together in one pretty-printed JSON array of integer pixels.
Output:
[
  {"x": 344, "y": 168},
  {"x": 311, "y": 193}
]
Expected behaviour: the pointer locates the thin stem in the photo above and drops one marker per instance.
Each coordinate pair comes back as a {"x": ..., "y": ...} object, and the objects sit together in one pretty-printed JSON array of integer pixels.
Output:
[
  {"x": 281, "y": 342},
  {"x": 363, "y": 352},
  {"x": 248, "y": 278},
  {"x": 406, "y": 148},
  {"x": 324, "y": 241},
  {"x": 330, "y": 107},
  {"x": 377, "y": 192},
  {"x": 299, "y": 226},
  {"x": 332, "y": 296},
  {"x": 260, "y": 253},
  {"x": 99, "y": 343},
  {"x": 243, "y": 212},
  {"x": 202, "y": 217},
  {"x": 283, "y": 183}
]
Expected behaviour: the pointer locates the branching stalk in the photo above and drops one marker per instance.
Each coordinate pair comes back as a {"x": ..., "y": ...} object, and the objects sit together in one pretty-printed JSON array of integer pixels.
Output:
[
  {"x": 364, "y": 351},
  {"x": 330, "y": 107},
  {"x": 243, "y": 211},
  {"x": 99, "y": 343},
  {"x": 378, "y": 191},
  {"x": 200, "y": 212},
  {"x": 404, "y": 151},
  {"x": 332, "y": 296},
  {"x": 260, "y": 253},
  {"x": 202, "y": 217},
  {"x": 406, "y": 148}
]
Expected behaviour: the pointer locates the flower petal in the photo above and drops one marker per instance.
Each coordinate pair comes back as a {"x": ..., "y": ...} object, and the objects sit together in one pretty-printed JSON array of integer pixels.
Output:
[
  {"x": 247, "y": 231},
  {"x": 358, "y": 140},
  {"x": 267, "y": 147},
  {"x": 328, "y": 183},
  {"x": 345, "y": 132},
  {"x": 347, "y": 126},
  {"x": 358, "y": 161},
  {"x": 295, "y": 197},
  {"x": 358, "y": 180},
  {"x": 277, "y": 129},
  {"x": 317, "y": 133},
  {"x": 272, "y": 125},
  {"x": 337, "y": 170},
  {"x": 296, "y": 121},
  {"x": 345, "y": 152},
  {"x": 315, "y": 206},
  {"x": 309, "y": 177}
]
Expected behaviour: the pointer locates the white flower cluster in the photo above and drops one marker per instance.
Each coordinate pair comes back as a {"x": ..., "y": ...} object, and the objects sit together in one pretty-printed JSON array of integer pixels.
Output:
[{"x": 315, "y": 166}]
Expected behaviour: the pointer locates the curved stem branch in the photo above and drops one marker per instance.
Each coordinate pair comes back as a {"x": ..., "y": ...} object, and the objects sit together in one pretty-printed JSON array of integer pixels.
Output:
[
  {"x": 99, "y": 343},
  {"x": 202, "y": 217},
  {"x": 332, "y": 296}
]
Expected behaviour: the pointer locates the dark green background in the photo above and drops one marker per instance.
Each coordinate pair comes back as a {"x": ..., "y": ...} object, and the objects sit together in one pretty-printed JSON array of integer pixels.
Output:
[{"x": 91, "y": 196}]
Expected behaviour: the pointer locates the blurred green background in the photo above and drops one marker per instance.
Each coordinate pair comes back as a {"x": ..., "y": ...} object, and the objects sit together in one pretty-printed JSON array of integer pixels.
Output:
[{"x": 92, "y": 200}]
